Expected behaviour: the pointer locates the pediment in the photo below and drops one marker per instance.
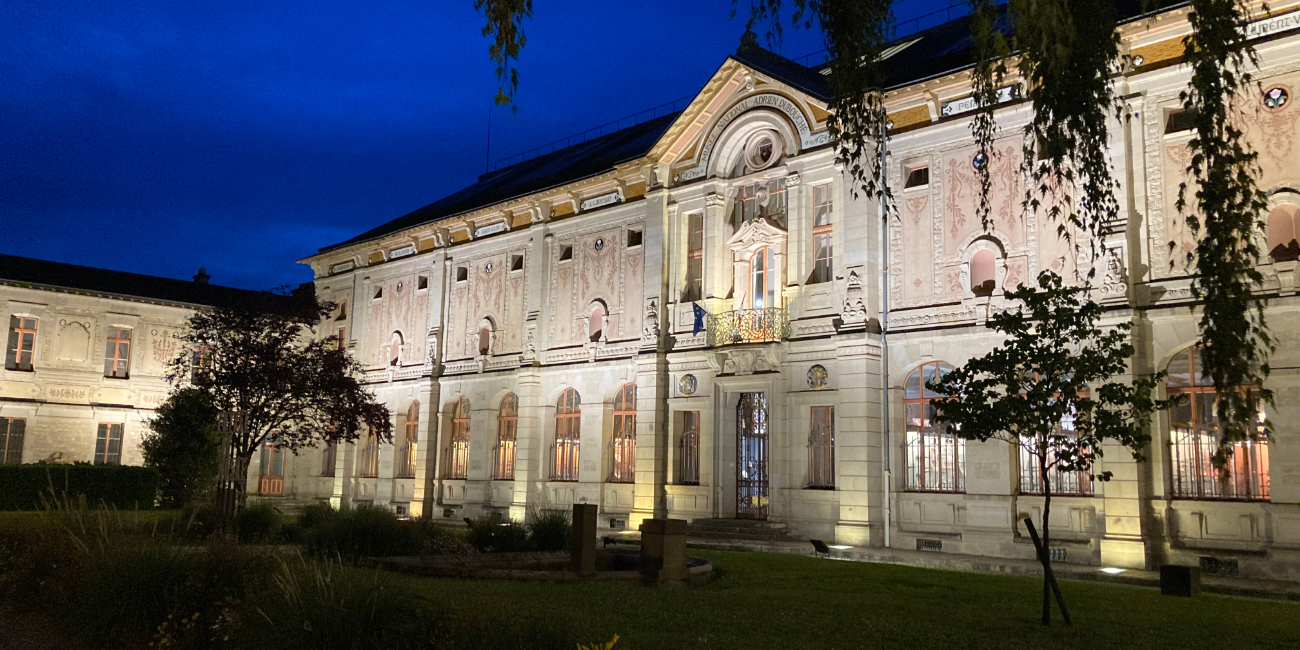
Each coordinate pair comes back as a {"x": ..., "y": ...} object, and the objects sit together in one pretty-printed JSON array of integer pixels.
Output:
[
  {"x": 734, "y": 90},
  {"x": 756, "y": 234}
]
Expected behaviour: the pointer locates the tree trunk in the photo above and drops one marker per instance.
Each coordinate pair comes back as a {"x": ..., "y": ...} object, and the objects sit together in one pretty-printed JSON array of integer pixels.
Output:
[
  {"x": 1045, "y": 556},
  {"x": 232, "y": 494}
]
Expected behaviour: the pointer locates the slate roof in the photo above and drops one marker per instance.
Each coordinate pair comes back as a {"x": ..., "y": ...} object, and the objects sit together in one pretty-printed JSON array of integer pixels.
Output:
[
  {"x": 934, "y": 52},
  {"x": 57, "y": 276}
]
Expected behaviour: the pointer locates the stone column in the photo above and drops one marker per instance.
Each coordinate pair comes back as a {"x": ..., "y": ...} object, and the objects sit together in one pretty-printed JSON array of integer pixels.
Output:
[
  {"x": 582, "y": 549},
  {"x": 663, "y": 552}
]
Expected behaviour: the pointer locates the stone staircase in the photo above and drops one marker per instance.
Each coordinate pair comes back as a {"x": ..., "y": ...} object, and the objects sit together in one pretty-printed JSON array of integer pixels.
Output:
[{"x": 749, "y": 530}]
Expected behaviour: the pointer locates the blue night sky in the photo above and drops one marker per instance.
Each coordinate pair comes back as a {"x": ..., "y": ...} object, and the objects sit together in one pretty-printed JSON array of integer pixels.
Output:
[{"x": 159, "y": 137}]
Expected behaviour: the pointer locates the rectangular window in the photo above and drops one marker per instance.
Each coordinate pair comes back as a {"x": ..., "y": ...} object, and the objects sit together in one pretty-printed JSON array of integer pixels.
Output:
[
  {"x": 765, "y": 199},
  {"x": 633, "y": 238},
  {"x": 1062, "y": 482},
  {"x": 12, "y": 431},
  {"x": 935, "y": 458},
  {"x": 821, "y": 448},
  {"x": 22, "y": 343},
  {"x": 688, "y": 449},
  {"x": 694, "y": 258},
  {"x": 516, "y": 262},
  {"x": 117, "y": 353},
  {"x": 200, "y": 366},
  {"x": 329, "y": 458},
  {"x": 108, "y": 444},
  {"x": 918, "y": 177},
  {"x": 1194, "y": 438},
  {"x": 1180, "y": 120},
  {"x": 823, "y": 252},
  {"x": 368, "y": 463},
  {"x": 566, "y": 254}
]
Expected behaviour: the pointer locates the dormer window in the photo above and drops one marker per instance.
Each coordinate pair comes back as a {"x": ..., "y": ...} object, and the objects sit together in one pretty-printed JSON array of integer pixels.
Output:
[
  {"x": 918, "y": 177},
  {"x": 1180, "y": 120}
]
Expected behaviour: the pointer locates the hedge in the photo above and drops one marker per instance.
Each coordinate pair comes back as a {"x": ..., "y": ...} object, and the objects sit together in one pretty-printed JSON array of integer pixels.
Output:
[{"x": 23, "y": 486}]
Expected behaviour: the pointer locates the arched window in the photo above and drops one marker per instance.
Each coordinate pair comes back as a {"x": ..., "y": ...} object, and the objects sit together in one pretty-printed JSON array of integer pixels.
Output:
[
  {"x": 484, "y": 339},
  {"x": 395, "y": 349},
  {"x": 1283, "y": 229},
  {"x": 568, "y": 425},
  {"x": 762, "y": 273},
  {"x": 1194, "y": 437},
  {"x": 406, "y": 454},
  {"x": 368, "y": 463},
  {"x": 622, "y": 447},
  {"x": 596, "y": 323},
  {"x": 688, "y": 449},
  {"x": 503, "y": 469},
  {"x": 935, "y": 457},
  {"x": 982, "y": 268},
  {"x": 456, "y": 454}
]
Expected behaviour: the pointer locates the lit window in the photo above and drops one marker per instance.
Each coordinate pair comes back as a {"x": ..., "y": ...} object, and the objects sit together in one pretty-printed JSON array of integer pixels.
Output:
[
  {"x": 821, "y": 448},
  {"x": 1194, "y": 438},
  {"x": 623, "y": 446},
  {"x": 822, "y": 246},
  {"x": 117, "y": 355},
  {"x": 935, "y": 458},
  {"x": 694, "y": 258},
  {"x": 108, "y": 444},
  {"x": 507, "y": 432},
  {"x": 456, "y": 454},
  {"x": 407, "y": 453},
  {"x": 762, "y": 273},
  {"x": 1283, "y": 224},
  {"x": 568, "y": 425},
  {"x": 22, "y": 341},
  {"x": 688, "y": 449},
  {"x": 983, "y": 267},
  {"x": 12, "y": 431},
  {"x": 1077, "y": 483}
]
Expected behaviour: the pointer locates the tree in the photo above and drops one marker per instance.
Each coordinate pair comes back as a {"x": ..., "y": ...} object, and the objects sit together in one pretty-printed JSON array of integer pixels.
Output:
[
  {"x": 183, "y": 445},
  {"x": 1050, "y": 390},
  {"x": 274, "y": 381}
]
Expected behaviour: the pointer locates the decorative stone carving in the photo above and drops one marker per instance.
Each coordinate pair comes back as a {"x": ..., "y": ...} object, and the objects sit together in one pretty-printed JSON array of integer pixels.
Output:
[
  {"x": 713, "y": 199},
  {"x": 817, "y": 376},
  {"x": 855, "y": 309},
  {"x": 687, "y": 384},
  {"x": 792, "y": 179},
  {"x": 651, "y": 332},
  {"x": 1114, "y": 280}
]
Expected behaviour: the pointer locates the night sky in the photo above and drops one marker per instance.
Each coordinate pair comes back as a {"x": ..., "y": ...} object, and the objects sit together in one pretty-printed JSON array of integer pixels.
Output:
[{"x": 159, "y": 137}]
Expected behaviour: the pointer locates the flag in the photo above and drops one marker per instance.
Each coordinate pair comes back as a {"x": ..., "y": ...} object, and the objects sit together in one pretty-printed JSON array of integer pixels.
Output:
[{"x": 699, "y": 318}]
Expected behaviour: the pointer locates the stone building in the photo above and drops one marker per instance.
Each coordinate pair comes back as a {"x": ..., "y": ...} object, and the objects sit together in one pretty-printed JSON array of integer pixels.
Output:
[
  {"x": 86, "y": 354},
  {"x": 683, "y": 318}
]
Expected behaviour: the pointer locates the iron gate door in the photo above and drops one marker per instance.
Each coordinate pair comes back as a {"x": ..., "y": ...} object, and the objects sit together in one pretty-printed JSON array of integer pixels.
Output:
[{"x": 751, "y": 456}]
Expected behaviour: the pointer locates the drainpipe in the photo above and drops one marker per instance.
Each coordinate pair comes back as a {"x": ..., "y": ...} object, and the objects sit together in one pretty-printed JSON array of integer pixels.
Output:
[{"x": 884, "y": 324}]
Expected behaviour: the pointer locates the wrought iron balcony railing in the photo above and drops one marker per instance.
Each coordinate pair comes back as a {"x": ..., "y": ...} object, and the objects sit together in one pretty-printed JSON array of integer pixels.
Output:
[{"x": 748, "y": 326}]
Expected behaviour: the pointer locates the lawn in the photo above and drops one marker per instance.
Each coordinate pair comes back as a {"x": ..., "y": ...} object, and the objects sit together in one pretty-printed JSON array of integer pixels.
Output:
[{"x": 784, "y": 601}]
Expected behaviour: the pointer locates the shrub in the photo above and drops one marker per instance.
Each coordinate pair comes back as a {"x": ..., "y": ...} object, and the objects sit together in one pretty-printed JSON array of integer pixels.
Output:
[
  {"x": 259, "y": 523},
  {"x": 550, "y": 530},
  {"x": 497, "y": 535},
  {"x": 183, "y": 445},
  {"x": 356, "y": 533},
  {"x": 26, "y": 487}
]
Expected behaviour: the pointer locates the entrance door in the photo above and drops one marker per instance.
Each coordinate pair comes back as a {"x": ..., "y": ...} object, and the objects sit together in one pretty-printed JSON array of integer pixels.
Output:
[{"x": 751, "y": 456}]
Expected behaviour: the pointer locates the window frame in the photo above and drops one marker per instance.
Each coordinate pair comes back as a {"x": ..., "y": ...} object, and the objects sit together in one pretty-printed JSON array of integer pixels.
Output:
[
  {"x": 567, "y": 446},
  {"x": 456, "y": 452},
  {"x": 821, "y": 447},
  {"x": 694, "y": 289},
  {"x": 688, "y": 450},
  {"x": 823, "y": 232},
  {"x": 106, "y": 435},
  {"x": 1257, "y": 463},
  {"x": 914, "y": 455},
  {"x": 11, "y": 453},
  {"x": 15, "y": 350},
  {"x": 117, "y": 366},
  {"x": 503, "y": 462},
  {"x": 405, "y": 466},
  {"x": 622, "y": 445}
]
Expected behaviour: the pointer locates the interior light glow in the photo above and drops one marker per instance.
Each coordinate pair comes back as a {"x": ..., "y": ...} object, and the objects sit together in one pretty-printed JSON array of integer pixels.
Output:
[
  {"x": 838, "y": 547},
  {"x": 1112, "y": 570}
]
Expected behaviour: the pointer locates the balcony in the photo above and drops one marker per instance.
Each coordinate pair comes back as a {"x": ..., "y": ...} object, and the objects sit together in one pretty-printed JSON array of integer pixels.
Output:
[{"x": 748, "y": 326}]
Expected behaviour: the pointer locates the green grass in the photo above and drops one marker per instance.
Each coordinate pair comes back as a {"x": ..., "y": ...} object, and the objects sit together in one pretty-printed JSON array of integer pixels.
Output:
[{"x": 784, "y": 601}]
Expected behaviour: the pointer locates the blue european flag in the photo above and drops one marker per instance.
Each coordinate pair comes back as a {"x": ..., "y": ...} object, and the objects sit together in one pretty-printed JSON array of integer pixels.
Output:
[{"x": 699, "y": 318}]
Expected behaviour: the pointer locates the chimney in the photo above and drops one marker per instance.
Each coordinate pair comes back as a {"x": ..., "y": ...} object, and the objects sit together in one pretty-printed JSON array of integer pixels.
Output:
[{"x": 202, "y": 277}]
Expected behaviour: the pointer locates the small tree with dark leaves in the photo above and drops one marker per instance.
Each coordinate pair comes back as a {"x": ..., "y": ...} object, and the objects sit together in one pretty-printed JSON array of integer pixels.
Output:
[
  {"x": 183, "y": 445},
  {"x": 1056, "y": 366},
  {"x": 280, "y": 383}
]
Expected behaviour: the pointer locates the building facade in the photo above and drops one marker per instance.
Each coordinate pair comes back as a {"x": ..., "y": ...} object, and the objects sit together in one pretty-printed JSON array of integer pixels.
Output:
[{"x": 86, "y": 357}]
